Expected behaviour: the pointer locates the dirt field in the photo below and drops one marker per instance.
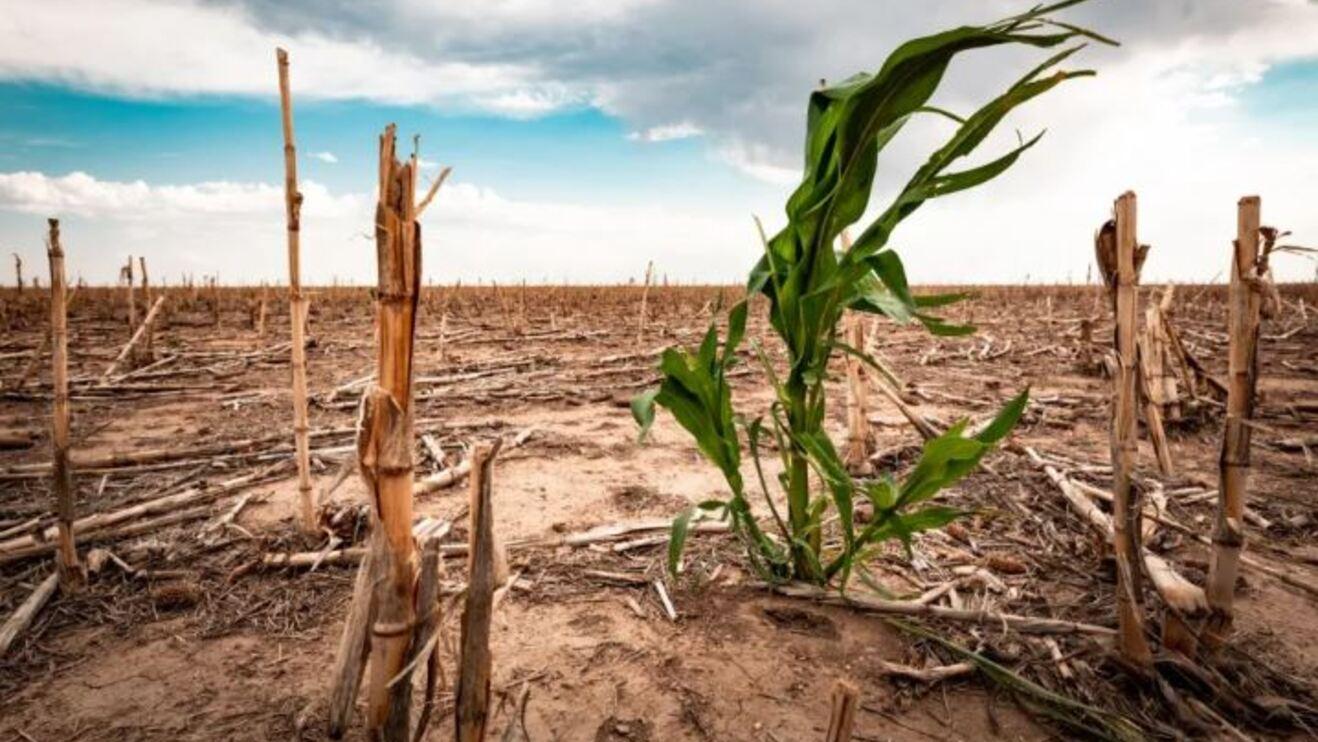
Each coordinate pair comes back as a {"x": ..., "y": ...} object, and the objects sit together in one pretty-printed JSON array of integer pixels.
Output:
[{"x": 187, "y": 634}]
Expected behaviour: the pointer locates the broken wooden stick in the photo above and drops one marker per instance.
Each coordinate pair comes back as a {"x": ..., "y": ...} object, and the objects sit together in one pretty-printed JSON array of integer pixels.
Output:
[
  {"x": 925, "y": 427},
  {"x": 597, "y": 535},
  {"x": 425, "y": 637},
  {"x": 116, "y": 459},
  {"x": 27, "y": 612},
  {"x": 645, "y": 296},
  {"x": 473, "y": 691},
  {"x": 43, "y": 542},
  {"x": 354, "y": 640},
  {"x": 143, "y": 330},
  {"x": 928, "y": 674},
  {"x": 126, "y": 273},
  {"x": 458, "y": 472},
  {"x": 1152, "y": 408}
]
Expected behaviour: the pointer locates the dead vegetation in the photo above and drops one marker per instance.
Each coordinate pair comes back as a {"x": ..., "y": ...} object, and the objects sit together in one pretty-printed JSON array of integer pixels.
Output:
[{"x": 187, "y": 505}]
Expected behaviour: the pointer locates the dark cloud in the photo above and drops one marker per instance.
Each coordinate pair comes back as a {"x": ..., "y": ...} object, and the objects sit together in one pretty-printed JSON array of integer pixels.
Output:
[{"x": 739, "y": 70}]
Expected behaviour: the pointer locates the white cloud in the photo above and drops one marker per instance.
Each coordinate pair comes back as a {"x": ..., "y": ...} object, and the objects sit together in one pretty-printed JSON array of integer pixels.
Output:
[
  {"x": 758, "y": 161},
  {"x": 82, "y": 195},
  {"x": 1138, "y": 126},
  {"x": 470, "y": 232},
  {"x": 525, "y": 103},
  {"x": 667, "y": 132},
  {"x": 1165, "y": 116},
  {"x": 150, "y": 48},
  {"x": 328, "y": 157}
]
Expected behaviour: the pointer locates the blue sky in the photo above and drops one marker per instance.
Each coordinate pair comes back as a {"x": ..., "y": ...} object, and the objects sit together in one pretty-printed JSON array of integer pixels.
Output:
[
  {"x": 576, "y": 153},
  {"x": 1286, "y": 100},
  {"x": 589, "y": 140}
]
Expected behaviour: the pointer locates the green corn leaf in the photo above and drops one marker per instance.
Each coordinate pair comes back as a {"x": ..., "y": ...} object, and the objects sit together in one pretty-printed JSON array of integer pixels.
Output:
[
  {"x": 677, "y": 539},
  {"x": 873, "y": 297},
  {"x": 736, "y": 331},
  {"x": 888, "y": 267},
  {"x": 945, "y": 459},
  {"x": 926, "y": 183},
  {"x": 815, "y": 512},
  {"x": 938, "y": 326},
  {"x": 882, "y": 493},
  {"x": 705, "y": 356},
  {"x": 933, "y": 301},
  {"x": 1006, "y": 418},
  {"x": 643, "y": 411},
  {"x": 826, "y": 460},
  {"x": 755, "y": 429},
  {"x": 931, "y": 517}
]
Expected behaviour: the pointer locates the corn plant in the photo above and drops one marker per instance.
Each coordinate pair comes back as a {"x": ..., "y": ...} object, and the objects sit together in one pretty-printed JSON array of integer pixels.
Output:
[{"x": 809, "y": 284}]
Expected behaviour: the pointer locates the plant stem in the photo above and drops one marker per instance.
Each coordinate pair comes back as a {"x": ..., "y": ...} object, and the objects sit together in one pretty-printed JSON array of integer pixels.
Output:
[{"x": 798, "y": 484}]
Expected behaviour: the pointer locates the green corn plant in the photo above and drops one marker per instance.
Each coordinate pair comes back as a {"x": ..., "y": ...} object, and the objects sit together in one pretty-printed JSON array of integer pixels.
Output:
[{"x": 809, "y": 284}]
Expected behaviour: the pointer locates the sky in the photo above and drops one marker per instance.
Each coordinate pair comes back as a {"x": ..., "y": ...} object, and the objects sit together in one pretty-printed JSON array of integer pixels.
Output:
[{"x": 591, "y": 137}]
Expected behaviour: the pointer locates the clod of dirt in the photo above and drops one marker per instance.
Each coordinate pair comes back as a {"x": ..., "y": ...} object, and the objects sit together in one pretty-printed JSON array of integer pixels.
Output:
[
  {"x": 801, "y": 621},
  {"x": 175, "y": 596},
  {"x": 958, "y": 532},
  {"x": 636, "y": 498},
  {"x": 614, "y": 729},
  {"x": 1007, "y": 565}
]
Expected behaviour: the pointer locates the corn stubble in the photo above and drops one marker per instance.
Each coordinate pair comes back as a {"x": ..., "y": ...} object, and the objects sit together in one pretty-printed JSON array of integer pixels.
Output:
[{"x": 384, "y": 442}]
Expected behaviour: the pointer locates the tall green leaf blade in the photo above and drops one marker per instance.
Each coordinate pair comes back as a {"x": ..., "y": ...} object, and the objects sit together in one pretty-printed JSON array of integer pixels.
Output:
[
  {"x": 677, "y": 539},
  {"x": 1006, "y": 418}
]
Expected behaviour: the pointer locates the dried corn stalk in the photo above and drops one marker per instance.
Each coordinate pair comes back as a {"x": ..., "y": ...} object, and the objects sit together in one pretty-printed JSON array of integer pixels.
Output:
[
  {"x": 1159, "y": 360},
  {"x": 384, "y": 445},
  {"x": 1248, "y": 271},
  {"x": 1120, "y": 257},
  {"x": 860, "y": 437},
  {"x": 67, "y": 554},
  {"x": 296, "y": 301}
]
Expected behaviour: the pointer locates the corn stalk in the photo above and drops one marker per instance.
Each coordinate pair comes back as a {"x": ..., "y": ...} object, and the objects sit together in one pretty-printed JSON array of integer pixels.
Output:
[
  {"x": 297, "y": 303},
  {"x": 384, "y": 444},
  {"x": 70, "y": 571},
  {"x": 809, "y": 285},
  {"x": 1246, "y": 300},
  {"x": 1120, "y": 256}
]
